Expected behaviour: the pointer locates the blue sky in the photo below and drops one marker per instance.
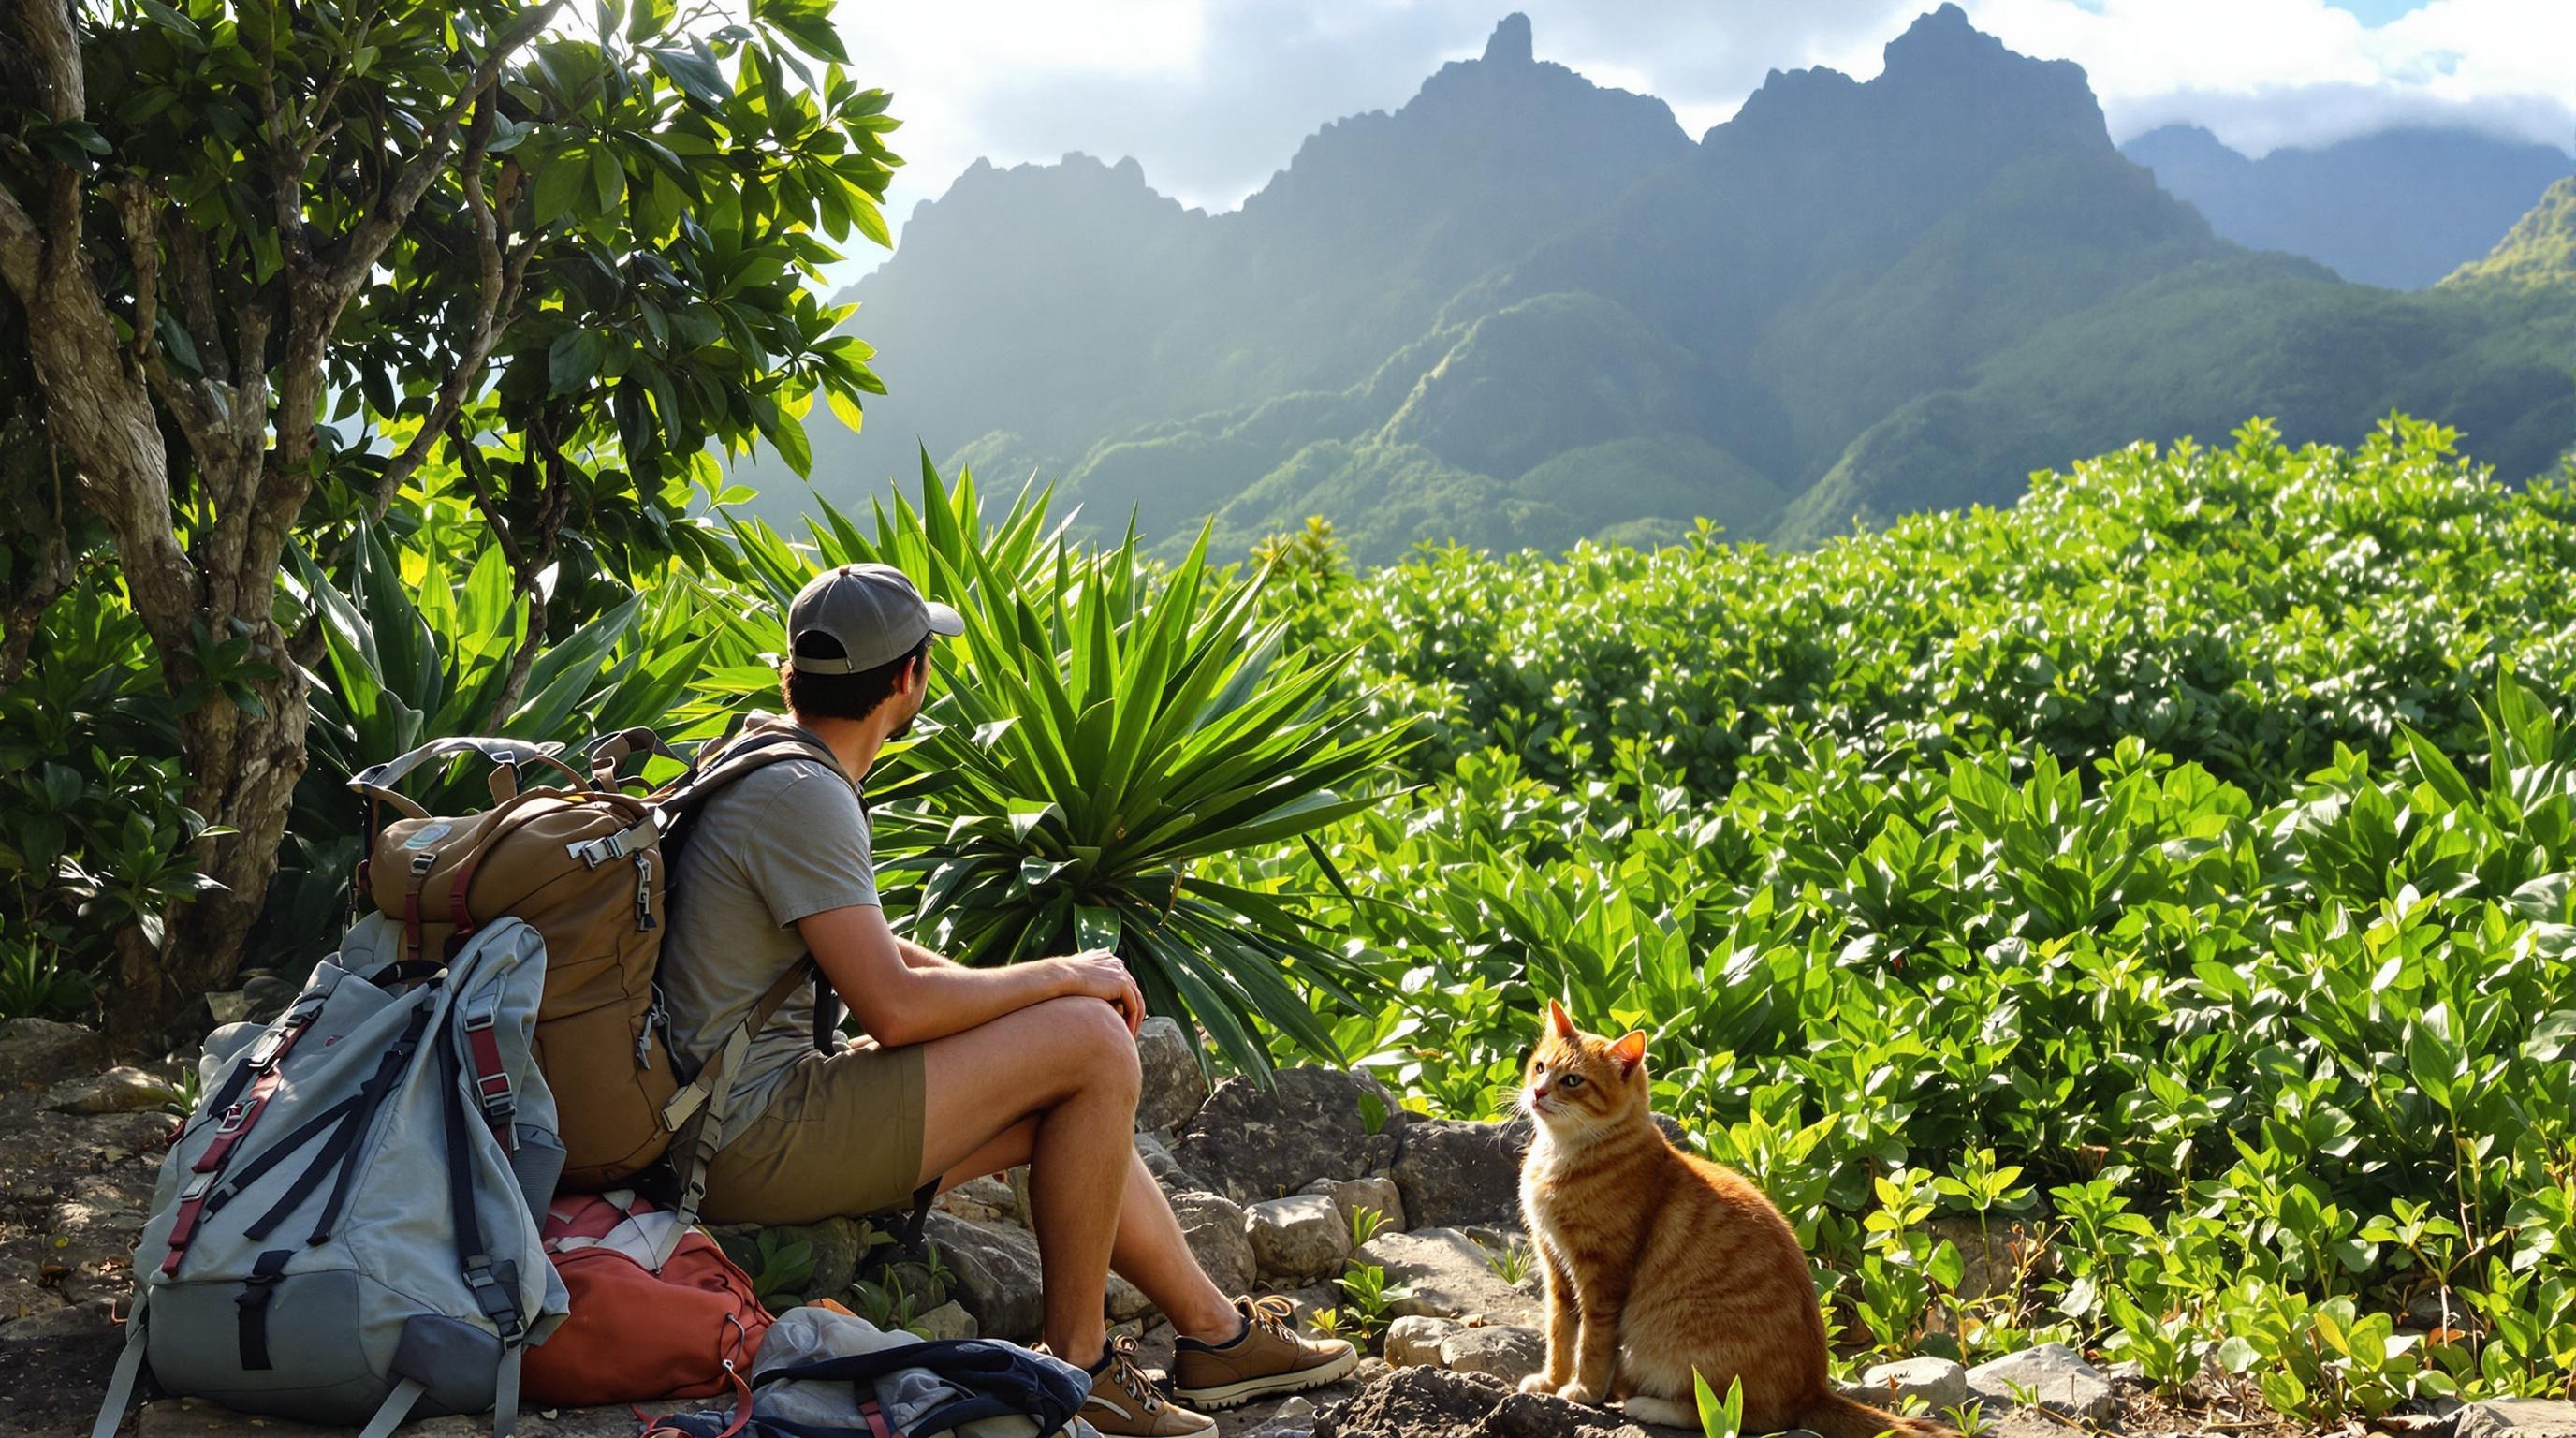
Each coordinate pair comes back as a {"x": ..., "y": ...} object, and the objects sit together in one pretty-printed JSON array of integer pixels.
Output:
[{"x": 2379, "y": 12}]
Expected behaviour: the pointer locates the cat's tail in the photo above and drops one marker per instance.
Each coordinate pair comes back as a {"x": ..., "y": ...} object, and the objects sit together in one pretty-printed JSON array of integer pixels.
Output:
[{"x": 1834, "y": 1416}]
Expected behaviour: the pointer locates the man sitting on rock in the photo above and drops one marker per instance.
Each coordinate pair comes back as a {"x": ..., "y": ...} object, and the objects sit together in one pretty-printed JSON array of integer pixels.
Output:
[{"x": 964, "y": 1071}]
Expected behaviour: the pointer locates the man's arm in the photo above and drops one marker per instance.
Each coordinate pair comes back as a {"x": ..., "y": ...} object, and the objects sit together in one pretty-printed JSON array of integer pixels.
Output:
[
  {"x": 899, "y": 1002},
  {"x": 917, "y": 957}
]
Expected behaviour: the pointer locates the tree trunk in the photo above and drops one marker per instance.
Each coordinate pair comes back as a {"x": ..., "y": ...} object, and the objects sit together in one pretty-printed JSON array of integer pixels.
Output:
[{"x": 243, "y": 768}]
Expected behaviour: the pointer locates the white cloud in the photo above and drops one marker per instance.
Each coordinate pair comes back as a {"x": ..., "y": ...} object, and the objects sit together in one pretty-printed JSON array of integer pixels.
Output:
[{"x": 2266, "y": 73}]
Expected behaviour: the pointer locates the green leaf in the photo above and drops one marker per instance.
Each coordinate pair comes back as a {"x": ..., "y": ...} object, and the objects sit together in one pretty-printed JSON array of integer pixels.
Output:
[{"x": 695, "y": 72}]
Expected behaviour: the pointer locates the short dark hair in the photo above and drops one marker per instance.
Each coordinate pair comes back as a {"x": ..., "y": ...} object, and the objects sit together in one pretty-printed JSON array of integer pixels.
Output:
[{"x": 842, "y": 696}]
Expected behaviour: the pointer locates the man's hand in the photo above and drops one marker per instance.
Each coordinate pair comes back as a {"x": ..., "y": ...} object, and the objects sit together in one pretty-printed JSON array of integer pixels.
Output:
[{"x": 1100, "y": 974}]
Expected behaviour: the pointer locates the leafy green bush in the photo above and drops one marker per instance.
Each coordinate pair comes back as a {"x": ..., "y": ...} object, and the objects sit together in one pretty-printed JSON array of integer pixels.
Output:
[
  {"x": 94, "y": 827},
  {"x": 2161, "y": 893}
]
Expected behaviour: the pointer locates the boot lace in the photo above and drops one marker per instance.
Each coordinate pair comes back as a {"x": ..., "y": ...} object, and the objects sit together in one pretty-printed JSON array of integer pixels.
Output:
[
  {"x": 1130, "y": 1376},
  {"x": 1272, "y": 1313}
]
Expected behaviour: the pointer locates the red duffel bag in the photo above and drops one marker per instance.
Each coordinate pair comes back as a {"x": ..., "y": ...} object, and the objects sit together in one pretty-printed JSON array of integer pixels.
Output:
[{"x": 687, "y": 1329}]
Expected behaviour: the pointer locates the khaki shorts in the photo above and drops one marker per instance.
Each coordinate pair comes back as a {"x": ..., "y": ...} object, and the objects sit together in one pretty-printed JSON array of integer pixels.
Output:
[{"x": 841, "y": 1136}]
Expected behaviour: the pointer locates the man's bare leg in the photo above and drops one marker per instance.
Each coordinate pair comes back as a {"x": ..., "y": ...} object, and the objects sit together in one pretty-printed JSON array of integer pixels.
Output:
[{"x": 1054, "y": 1085}]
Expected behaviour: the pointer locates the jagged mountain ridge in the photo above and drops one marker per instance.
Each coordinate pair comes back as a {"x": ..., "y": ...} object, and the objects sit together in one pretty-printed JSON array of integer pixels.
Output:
[{"x": 1852, "y": 299}]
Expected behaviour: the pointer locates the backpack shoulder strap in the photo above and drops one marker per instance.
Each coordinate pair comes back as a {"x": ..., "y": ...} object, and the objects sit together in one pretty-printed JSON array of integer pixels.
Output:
[
  {"x": 696, "y": 1114},
  {"x": 733, "y": 762}
]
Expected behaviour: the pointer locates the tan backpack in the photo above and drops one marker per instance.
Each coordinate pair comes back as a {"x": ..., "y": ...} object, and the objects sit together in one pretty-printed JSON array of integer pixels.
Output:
[{"x": 587, "y": 864}]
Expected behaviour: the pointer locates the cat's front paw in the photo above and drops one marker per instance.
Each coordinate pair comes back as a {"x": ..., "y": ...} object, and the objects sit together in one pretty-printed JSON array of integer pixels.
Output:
[
  {"x": 1537, "y": 1383},
  {"x": 1579, "y": 1392}
]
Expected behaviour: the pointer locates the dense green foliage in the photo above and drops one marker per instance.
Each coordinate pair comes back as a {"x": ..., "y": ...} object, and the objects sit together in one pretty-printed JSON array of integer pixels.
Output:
[
  {"x": 1851, "y": 301},
  {"x": 2174, "y": 871}
]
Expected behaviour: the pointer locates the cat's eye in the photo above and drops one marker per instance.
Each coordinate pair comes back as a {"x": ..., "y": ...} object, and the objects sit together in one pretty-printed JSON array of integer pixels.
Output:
[{"x": 1570, "y": 1081}]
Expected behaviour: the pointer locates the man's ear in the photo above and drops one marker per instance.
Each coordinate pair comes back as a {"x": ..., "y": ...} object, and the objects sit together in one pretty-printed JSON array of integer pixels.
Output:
[
  {"x": 1561, "y": 1021},
  {"x": 1630, "y": 1050}
]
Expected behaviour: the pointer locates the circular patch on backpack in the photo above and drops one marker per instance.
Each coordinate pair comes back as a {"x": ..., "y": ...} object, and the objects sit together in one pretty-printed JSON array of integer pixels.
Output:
[{"x": 427, "y": 835}]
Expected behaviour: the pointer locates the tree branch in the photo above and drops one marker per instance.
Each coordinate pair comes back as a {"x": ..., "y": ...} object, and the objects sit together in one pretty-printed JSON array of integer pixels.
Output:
[
  {"x": 496, "y": 292},
  {"x": 355, "y": 253},
  {"x": 143, "y": 250}
]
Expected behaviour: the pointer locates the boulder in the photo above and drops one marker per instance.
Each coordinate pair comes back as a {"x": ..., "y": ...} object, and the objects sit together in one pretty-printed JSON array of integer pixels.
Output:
[
  {"x": 1297, "y": 1238},
  {"x": 996, "y": 1268},
  {"x": 1213, "y": 1224},
  {"x": 1415, "y": 1339},
  {"x": 42, "y": 1051},
  {"x": 1450, "y": 1277},
  {"x": 1939, "y": 1382},
  {"x": 1305, "y": 1303},
  {"x": 1350, "y": 1195},
  {"x": 981, "y": 1200},
  {"x": 1252, "y": 1143},
  {"x": 948, "y": 1320},
  {"x": 1505, "y": 1351},
  {"x": 835, "y": 1243},
  {"x": 123, "y": 1089},
  {"x": 1127, "y": 1302},
  {"x": 2057, "y": 1376},
  {"x": 1166, "y": 1169},
  {"x": 1453, "y": 1174},
  {"x": 1174, "y": 1084},
  {"x": 2524, "y": 1417}
]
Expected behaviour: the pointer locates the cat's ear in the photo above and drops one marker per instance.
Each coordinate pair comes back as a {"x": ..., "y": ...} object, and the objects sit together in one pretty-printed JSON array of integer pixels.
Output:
[
  {"x": 1561, "y": 1021},
  {"x": 1630, "y": 1050}
]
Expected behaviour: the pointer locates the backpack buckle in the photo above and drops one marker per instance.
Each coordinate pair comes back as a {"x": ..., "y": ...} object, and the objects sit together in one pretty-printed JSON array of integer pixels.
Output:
[{"x": 233, "y": 1118}]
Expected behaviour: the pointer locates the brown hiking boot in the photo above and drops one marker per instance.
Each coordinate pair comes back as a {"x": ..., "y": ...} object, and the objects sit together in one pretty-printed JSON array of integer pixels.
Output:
[
  {"x": 1125, "y": 1403},
  {"x": 1267, "y": 1359}
]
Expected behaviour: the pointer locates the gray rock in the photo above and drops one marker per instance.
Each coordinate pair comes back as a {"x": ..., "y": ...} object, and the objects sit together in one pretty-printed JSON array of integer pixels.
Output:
[
  {"x": 1252, "y": 1143},
  {"x": 1415, "y": 1339},
  {"x": 1450, "y": 1277},
  {"x": 123, "y": 1089},
  {"x": 42, "y": 1051},
  {"x": 1126, "y": 1301},
  {"x": 1937, "y": 1381},
  {"x": 1297, "y": 1238},
  {"x": 2526, "y": 1417},
  {"x": 835, "y": 1243},
  {"x": 1306, "y": 1302},
  {"x": 1213, "y": 1224},
  {"x": 2057, "y": 1376},
  {"x": 996, "y": 1267},
  {"x": 1505, "y": 1351},
  {"x": 1174, "y": 1085},
  {"x": 981, "y": 1200},
  {"x": 1350, "y": 1195},
  {"x": 2480, "y": 1421},
  {"x": 1166, "y": 1169},
  {"x": 1453, "y": 1174},
  {"x": 948, "y": 1320}
]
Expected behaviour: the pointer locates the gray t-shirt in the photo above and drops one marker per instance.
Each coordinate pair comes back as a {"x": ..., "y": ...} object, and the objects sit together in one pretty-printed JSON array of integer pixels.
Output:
[{"x": 787, "y": 840}]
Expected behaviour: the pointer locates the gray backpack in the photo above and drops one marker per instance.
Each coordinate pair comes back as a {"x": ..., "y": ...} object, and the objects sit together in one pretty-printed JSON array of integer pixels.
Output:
[{"x": 346, "y": 1230}]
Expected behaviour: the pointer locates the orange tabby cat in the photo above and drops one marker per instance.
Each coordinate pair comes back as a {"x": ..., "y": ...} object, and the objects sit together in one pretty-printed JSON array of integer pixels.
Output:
[{"x": 1658, "y": 1263}]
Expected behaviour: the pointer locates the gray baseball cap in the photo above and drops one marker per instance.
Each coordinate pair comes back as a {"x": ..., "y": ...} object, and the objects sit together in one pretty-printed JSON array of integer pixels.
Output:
[{"x": 871, "y": 610}]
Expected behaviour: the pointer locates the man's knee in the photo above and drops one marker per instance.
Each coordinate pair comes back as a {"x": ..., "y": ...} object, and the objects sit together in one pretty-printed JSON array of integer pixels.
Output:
[{"x": 1103, "y": 1050}]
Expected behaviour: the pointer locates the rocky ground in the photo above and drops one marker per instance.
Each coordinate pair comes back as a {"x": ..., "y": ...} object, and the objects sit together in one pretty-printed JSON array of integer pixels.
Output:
[{"x": 1271, "y": 1187}]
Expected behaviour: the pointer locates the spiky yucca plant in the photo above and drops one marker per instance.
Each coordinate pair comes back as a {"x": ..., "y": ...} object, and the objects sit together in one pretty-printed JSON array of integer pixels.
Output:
[{"x": 1102, "y": 729}]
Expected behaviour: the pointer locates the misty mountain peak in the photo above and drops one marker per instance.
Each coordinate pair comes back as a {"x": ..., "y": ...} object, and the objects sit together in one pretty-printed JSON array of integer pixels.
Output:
[{"x": 1511, "y": 44}]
